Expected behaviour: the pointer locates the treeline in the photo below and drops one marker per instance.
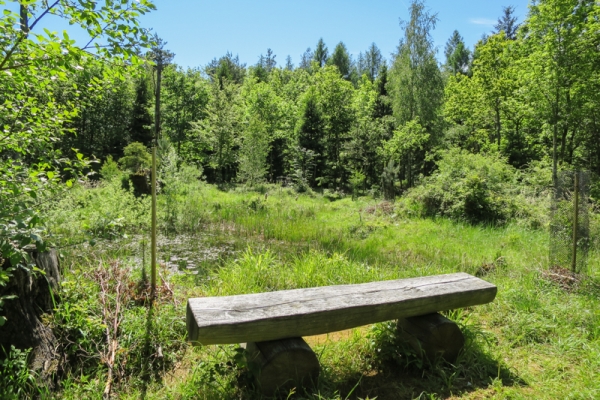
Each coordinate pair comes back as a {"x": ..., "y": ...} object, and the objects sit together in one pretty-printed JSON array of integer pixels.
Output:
[{"x": 528, "y": 92}]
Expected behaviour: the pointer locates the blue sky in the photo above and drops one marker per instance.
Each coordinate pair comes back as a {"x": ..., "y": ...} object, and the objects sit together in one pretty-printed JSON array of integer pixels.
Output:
[{"x": 198, "y": 30}]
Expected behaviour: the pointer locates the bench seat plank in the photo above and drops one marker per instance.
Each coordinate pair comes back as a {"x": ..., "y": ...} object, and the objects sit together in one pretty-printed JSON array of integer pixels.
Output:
[{"x": 314, "y": 311}]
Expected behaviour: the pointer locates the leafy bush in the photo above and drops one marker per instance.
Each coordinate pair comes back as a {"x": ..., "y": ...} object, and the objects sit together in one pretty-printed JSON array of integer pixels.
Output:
[
  {"x": 467, "y": 187},
  {"x": 481, "y": 188},
  {"x": 109, "y": 169},
  {"x": 105, "y": 211},
  {"x": 136, "y": 157}
]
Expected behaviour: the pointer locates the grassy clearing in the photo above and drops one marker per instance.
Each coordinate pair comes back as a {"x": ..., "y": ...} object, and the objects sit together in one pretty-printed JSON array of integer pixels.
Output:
[{"x": 537, "y": 340}]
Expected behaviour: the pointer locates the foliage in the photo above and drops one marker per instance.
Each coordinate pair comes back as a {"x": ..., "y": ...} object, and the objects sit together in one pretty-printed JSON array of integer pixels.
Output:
[
  {"x": 416, "y": 86},
  {"x": 32, "y": 59},
  {"x": 16, "y": 380},
  {"x": 109, "y": 169},
  {"x": 470, "y": 187},
  {"x": 219, "y": 132},
  {"x": 457, "y": 54},
  {"x": 136, "y": 157}
]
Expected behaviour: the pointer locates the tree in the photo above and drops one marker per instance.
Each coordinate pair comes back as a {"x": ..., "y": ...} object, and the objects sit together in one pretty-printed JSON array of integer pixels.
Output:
[
  {"x": 383, "y": 105},
  {"x": 416, "y": 84},
  {"x": 227, "y": 68},
  {"x": 262, "y": 129},
  {"x": 507, "y": 23},
  {"x": 457, "y": 54},
  {"x": 361, "y": 156},
  {"x": 185, "y": 97},
  {"x": 306, "y": 59},
  {"x": 218, "y": 133},
  {"x": 341, "y": 59},
  {"x": 288, "y": 63},
  {"x": 141, "y": 120},
  {"x": 334, "y": 100},
  {"x": 560, "y": 65},
  {"x": 254, "y": 150},
  {"x": 321, "y": 54},
  {"x": 373, "y": 61},
  {"x": 310, "y": 133},
  {"x": 32, "y": 61}
]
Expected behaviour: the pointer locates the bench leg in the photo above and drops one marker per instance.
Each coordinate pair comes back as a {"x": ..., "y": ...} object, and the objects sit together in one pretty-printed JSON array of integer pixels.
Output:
[
  {"x": 432, "y": 335},
  {"x": 282, "y": 364}
]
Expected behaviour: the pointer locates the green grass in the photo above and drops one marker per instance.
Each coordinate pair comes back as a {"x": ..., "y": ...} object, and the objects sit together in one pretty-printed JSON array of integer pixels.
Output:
[{"x": 536, "y": 340}]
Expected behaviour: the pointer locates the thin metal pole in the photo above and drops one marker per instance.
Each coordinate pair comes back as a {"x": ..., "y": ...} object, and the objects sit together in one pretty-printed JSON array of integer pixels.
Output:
[
  {"x": 575, "y": 222},
  {"x": 153, "y": 261}
]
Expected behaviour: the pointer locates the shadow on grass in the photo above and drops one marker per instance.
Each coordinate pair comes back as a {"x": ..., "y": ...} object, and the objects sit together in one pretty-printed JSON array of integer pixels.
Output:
[
  {"x": 392, "y": 370},
  {"x": 146, "y": 372},
  {"x": 405, "y": 375}
]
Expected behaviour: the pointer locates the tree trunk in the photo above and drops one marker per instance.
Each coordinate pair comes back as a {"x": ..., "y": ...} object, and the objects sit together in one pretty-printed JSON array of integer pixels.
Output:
[
  {"x": 280, "y": 365},
  {"x": 24, "y": 328},
  {"x": 432, "y": 335}
]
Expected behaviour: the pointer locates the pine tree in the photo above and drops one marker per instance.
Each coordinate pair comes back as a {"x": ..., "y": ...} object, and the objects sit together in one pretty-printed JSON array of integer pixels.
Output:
[
  {"x": 140, "y": 127},
  {"x": 321, "y": 54},
  {"x": 341, "y": 59},
  {"x": 507, "y": 23},
  {"x": 457, "y": 54},
  {"x": 373, "y": 60},
  {"x": 306, "y": 58}
]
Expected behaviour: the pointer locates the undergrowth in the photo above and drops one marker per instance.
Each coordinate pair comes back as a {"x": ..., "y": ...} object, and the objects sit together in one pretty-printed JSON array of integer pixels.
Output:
[{"x": 536, "y": 340}]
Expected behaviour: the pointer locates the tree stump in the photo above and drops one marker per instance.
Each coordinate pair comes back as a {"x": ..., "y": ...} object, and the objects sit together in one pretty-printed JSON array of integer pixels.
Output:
[
  {"x": 432, "y": 335},
  {"x": 24, "y": 328},
  {"x": 280, "y": 365}
]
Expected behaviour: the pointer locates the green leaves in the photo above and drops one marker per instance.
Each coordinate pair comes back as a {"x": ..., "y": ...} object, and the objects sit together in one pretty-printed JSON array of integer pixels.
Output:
[{"x": 33, "y": 116}]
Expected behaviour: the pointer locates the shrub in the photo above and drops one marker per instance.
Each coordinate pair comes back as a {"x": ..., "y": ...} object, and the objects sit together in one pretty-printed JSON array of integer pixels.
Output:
[
  {"x": 109, "y": 169},
  {"x": 471, "y": 187},
  {"x": 136, "y": 157}
]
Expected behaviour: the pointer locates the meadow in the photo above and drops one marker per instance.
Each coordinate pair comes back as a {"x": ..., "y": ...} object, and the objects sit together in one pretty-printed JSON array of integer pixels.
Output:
[{"x": 540, "y": 338}]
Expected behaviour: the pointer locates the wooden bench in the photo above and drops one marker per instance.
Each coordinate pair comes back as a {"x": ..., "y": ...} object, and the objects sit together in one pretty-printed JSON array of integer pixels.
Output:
[{"x": 272, "y": 324}]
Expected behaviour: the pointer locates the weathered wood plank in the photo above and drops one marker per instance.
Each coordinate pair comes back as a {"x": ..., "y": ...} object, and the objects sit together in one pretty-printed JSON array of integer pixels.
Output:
[{"x": 313, "y": 311}]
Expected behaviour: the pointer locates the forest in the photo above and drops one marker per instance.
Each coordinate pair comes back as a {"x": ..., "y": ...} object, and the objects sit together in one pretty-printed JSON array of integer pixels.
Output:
[{"x": 276, "y": 175}]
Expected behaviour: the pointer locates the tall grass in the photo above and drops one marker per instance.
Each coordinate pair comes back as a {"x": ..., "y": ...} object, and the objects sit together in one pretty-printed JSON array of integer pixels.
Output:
[{"x": 538, "y": 339}]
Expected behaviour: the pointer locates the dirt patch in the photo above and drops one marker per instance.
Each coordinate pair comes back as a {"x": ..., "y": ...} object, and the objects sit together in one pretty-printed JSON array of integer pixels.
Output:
[
  {"x": 385, "y": 207},
  {"x": 564, "y": 278},
  {"x": 334, "y": 336}
]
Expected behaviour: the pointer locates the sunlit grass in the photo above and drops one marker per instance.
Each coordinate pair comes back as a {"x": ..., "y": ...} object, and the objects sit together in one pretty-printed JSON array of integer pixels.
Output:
[{"x": 536, "y": 340}]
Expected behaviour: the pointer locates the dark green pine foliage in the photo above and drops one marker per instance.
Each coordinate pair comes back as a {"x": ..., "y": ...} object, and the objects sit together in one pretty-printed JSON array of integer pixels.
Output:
[
  {"x": 310, "y": 136},
  {"x": 373, "y": 61},
  {"x": 264, "y": 66},
  {"x": 227, "y": 68},
  {"x": 507, "y": 23},
  {"x": 305, "y": 59},
  {"x": 140, "y": 127},
  {"x": 458, "y": 56},
  {"x": 321, "y": 54},
  {"x": 383, "y": 104},
  {"x": 341, "y": 59}
]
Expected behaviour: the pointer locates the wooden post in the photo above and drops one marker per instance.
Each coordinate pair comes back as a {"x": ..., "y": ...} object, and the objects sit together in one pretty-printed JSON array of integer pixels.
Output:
[
  {"x": 432, "y": 335},
  {"x": 280, "y": 365},
  {"x": 153, "y": 250},
  {"x": 575, "y": 222}
]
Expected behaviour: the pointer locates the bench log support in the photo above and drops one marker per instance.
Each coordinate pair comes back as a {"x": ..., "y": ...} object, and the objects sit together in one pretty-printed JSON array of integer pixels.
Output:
[
  {"x": 280, "y": 365},
  {"x": 432, "y": 336}
]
